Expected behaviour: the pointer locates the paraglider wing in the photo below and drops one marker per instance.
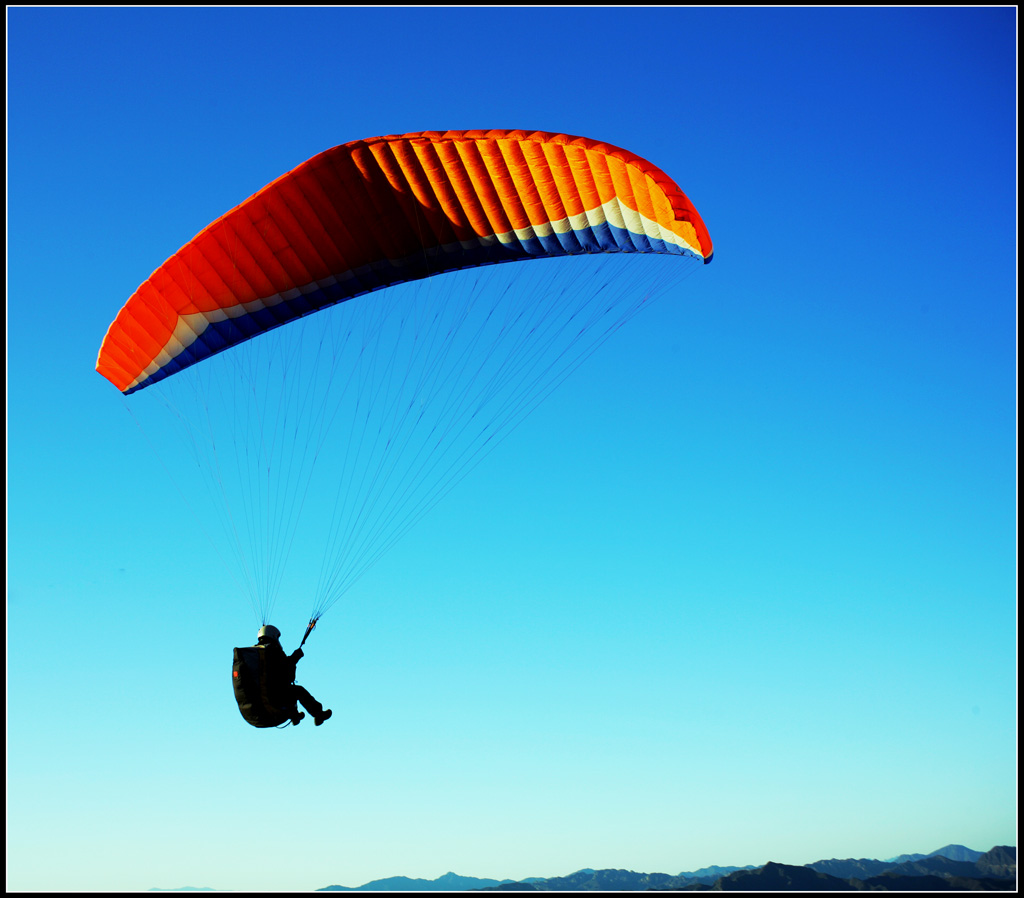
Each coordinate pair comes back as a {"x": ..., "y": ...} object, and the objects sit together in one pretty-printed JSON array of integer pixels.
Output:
[{"x": 377, "y": 212}]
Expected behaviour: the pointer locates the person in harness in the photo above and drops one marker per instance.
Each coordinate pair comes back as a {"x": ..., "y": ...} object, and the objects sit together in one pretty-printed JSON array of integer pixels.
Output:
[{"x": 264, "y": 681}]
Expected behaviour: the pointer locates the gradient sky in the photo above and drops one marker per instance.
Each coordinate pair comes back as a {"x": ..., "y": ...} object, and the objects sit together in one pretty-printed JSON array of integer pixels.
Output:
[{"x": 743, "y": 589}]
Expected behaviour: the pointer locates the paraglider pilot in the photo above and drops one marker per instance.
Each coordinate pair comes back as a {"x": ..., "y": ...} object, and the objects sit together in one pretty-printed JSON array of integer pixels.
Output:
[
  {"x": 264, "y": 681},
  {"x": 281, "y": 676}
]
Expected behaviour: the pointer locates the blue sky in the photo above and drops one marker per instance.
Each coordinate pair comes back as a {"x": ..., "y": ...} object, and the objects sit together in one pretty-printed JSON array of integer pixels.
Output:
[{"x": 743, "y": 589}]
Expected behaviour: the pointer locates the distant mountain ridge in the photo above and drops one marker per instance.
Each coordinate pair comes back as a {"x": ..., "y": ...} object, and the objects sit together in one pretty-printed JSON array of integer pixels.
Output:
[
  {"x": 774, "y": 877},
  {"x": 450, "y": 882},
  {"x": 953, "y": 852},
  {"x": 932, "y": 873},
  {"x": 953, "y": 867},
  {"x": 863, "y": 868},
  {"x": 1001, "y": 861},
  {"x": 710, "y": 875}
]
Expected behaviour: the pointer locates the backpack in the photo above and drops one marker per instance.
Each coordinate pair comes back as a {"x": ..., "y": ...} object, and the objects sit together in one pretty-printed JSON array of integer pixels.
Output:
[{"x": 259, "y": 703}]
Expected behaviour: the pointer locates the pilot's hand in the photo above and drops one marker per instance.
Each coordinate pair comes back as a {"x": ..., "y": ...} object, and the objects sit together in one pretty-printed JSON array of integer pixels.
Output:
[{"x": 297, "y": 654}]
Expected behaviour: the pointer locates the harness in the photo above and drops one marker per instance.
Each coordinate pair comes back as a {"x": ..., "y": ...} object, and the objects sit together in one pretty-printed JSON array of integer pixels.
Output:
[{"x": 253, "y": 689}]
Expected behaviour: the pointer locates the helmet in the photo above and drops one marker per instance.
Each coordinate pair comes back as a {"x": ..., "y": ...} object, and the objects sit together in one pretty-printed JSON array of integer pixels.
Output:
[{"x": 268, "y": 633}]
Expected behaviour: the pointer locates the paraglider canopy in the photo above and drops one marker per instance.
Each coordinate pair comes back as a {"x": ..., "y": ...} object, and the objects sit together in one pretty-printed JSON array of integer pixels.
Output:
[{"x": 376, "y": 212}]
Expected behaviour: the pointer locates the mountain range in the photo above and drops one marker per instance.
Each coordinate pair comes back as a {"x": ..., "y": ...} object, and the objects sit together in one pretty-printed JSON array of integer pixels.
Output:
[{"x": 950, "y": 868}]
